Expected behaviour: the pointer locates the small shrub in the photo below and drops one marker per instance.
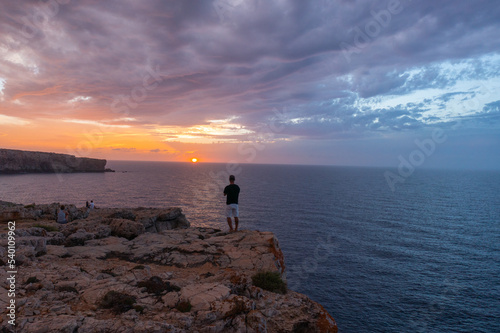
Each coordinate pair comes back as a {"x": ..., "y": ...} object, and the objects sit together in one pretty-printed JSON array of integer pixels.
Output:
[
  {"x": 302, "y": 327},
  {"x": 184, "y": 306},
  {"x": 68, "y": 289},
  {"x": 32, "y": 279},
  {"x": 117, "y": 302},
  {"x": 117, "y": 255},
  {"x": 48, "y": 228},
  {"x": 139, "y": 308},
  {"x": 155, "y": 285},
  {"x": 270, "y": 281},
  {"x": 30, "y": 206}
]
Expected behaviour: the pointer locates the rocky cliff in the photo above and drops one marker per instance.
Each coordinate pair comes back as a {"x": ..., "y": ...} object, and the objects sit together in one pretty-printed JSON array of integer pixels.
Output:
[
  {"x": 19, "y": 161},
  {"x": 146, "y": 270}
]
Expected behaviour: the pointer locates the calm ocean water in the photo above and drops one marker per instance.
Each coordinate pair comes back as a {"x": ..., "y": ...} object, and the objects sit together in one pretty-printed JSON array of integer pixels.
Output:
[{"x": 425, "y": 258}]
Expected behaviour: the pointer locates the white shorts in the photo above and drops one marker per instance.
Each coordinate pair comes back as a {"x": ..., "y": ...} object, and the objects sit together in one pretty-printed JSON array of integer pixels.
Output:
[{"x": 232, "y": 210}]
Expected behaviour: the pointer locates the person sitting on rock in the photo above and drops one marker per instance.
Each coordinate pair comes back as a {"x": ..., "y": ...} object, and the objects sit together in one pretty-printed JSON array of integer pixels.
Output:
[{"x": 62, "y": 215}]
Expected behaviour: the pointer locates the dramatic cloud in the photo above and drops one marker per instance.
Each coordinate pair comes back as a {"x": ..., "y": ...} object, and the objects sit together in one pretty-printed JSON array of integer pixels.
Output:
[{"x": 289, "y": 73}]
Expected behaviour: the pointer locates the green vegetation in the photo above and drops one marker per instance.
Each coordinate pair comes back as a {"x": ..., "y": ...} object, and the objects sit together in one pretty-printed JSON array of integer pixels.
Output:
[
  {"x": 30, "y": 206},
  {"x": 117, "y": 255},
  {"x": 270, "y": 281},
  {"x": 117, "y": 302},
  {"x": 139, "y": 308},
  {"x": 68, "y": 289},
  {"x": 184, "y": 306},
  {"x": 46, "y": 227},
  {"x": 155, "y": 285}
]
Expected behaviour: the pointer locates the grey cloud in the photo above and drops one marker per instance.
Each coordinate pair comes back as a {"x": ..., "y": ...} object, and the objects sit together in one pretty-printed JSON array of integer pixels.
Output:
[
  {"x": 267, "y": 55},
  {"x": 490, "y": 114},
  {"x": 124, "y": 150},
  {"x": 159, "y": 150}
]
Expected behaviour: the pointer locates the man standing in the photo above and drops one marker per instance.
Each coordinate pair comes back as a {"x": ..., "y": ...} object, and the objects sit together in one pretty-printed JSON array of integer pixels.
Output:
[{"x": 231, "y": 192}]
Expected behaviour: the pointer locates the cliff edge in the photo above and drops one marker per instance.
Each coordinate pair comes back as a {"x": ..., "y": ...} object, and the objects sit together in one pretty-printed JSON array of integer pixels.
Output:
[
  {"x": 20, "y": 161},
  {"x": 146, "y": 270}
]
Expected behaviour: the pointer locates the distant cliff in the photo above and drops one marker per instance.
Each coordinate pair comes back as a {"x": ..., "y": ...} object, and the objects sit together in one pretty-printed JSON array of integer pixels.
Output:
[{"x": 19, "y": 161}]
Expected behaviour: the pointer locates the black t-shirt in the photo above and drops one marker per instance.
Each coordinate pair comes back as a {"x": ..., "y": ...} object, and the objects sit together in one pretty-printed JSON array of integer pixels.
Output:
[{"x": 232, "y": 191}]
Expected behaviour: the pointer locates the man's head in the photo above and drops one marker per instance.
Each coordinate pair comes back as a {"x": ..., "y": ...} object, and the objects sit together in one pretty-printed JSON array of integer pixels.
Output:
[{"x": 231, "y": 179}]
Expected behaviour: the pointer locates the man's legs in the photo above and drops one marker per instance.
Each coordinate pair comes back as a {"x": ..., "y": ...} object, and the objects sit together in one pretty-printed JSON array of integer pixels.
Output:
[
  {"x": 236, "y": 220},
  {"x": 230, "y": 224}
]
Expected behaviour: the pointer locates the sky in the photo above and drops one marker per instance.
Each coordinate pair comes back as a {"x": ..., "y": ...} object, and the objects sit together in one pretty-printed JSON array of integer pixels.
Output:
[{"x": 329, "y": 82}]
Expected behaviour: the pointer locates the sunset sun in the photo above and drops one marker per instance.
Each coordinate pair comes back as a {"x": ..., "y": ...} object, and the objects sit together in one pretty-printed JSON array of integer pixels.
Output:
[{"x": 194, "y": 160}]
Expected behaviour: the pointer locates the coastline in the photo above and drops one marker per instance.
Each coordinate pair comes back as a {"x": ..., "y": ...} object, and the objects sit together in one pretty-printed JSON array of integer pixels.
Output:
[
  {"x": 153, "y": 256},
  {"x": 24, "y": 162}
]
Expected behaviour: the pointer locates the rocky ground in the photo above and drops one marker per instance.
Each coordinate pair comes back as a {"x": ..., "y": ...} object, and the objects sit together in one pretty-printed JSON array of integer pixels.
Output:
[{"x": 145, "y": 270}]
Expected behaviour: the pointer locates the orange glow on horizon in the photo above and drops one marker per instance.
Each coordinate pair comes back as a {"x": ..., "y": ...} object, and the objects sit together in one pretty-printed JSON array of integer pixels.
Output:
[{"x": 102, "y": 140}]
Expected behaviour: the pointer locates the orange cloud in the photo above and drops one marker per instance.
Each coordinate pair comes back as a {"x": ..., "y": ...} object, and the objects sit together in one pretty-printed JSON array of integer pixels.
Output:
[{"x": 46, "y": 91}]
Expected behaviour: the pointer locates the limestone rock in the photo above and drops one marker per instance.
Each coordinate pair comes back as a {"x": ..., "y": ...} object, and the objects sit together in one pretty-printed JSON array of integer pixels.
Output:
[
  {"x": 126, "y": 228},
  {"x": 48, "y": 212},
  {"x": 19, "y": 161},
  {"x": 79, "y": 238},
  {"x": 28, "y": 246},
  {"x": 202, "y": 295},
  {"x": 176, "y": 280}
]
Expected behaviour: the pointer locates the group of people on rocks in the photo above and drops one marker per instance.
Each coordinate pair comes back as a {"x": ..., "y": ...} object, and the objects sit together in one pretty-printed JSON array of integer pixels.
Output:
[
  {"x": 62, "y": 215},
  {"x": 231, "y": 192}
]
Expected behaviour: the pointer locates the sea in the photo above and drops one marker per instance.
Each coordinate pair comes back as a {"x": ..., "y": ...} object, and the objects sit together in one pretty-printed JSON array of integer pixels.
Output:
[{"x": 422, "y": 256}]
